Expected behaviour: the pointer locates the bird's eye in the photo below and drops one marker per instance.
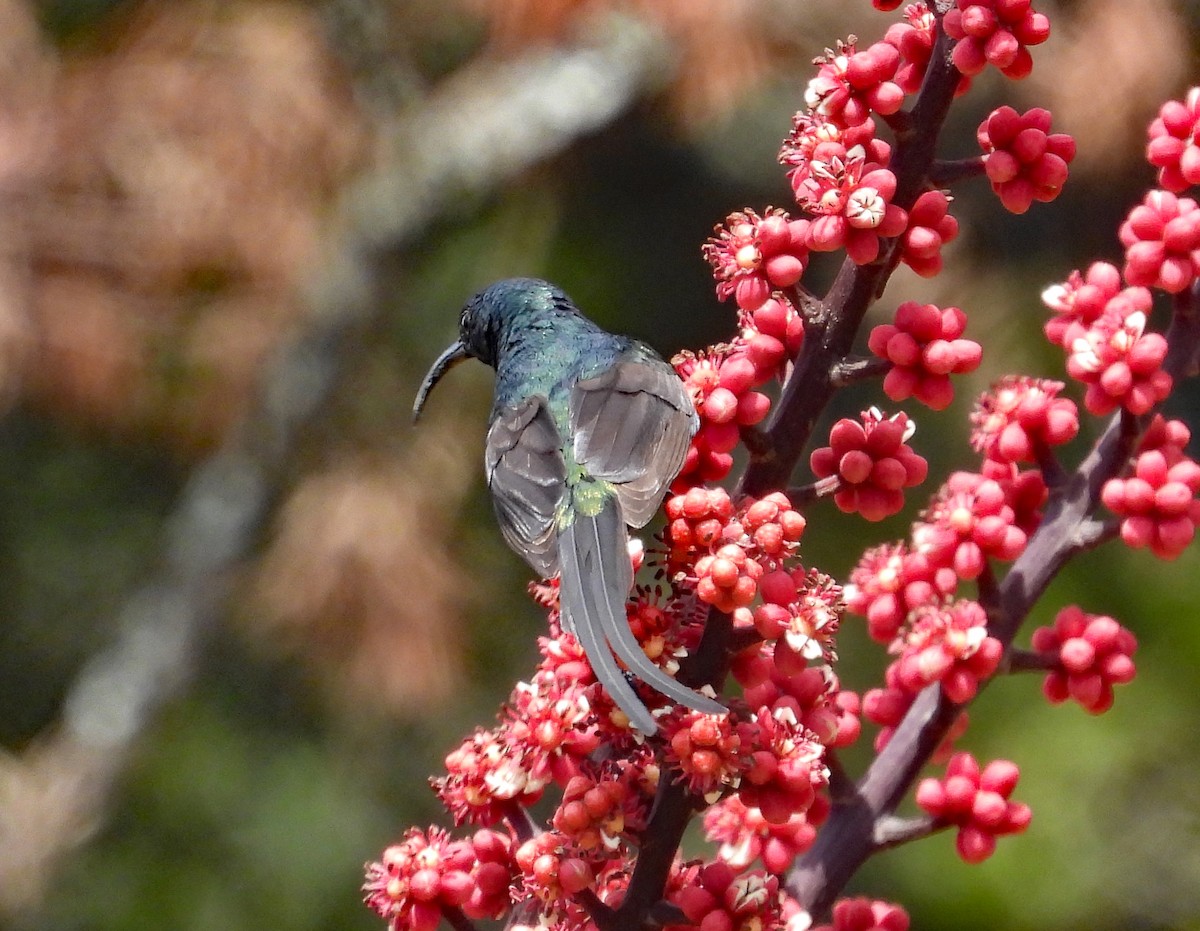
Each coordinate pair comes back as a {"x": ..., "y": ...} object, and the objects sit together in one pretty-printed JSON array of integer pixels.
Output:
[{"x": 462, "y": 320}]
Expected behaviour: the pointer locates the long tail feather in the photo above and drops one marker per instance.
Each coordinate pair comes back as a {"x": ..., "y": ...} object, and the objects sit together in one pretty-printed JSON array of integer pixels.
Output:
[
  {"x": 581, "y": 623},
  {"x": 598, "y": 550}
]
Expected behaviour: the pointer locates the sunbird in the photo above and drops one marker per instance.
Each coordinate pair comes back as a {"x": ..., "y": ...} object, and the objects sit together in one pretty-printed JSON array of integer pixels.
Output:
[{"x": 587, "y": 430}]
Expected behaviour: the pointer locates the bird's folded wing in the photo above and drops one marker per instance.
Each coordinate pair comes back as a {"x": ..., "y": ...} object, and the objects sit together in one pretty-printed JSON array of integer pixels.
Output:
[
  {"x": 526, "y": 475},
  {"x": 631, "y": 425}
]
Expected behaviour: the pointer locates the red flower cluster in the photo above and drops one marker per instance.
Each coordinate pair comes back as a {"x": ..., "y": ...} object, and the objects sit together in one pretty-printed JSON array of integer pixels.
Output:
[
  {"x": 745, "y": 835},
  {"x": 949, "y": 645},
  {"x": 801, "y": 611},
  {"x": 810, "y": 692},
  {"x": 817, "y": 139},
  {"x": 592, "y": 814},
  {"x": 485, "y": 776},
  {"x": 752, "y": 256},
  {"x": 968, "y": 521},
  {"x": 1019, "y": 416},
  {"x": 977, "y": 802},
  {"x": 866, "y": 915},
  {"x": 995, "y": 32},
  {"x": 736, "y": 548},
  {"x": 551, "y": 868},
  {"x": 728, "y": 578},
  {"x": 852, "y": 205},
  {"x": 425, "y": 873},
  {"x": 1082, "y": 299},
  {"x": 720, "y": 383},
  {"x": 925, "y": 347},
  {"x": 553, "y": 720},
  {"x": 786, "y": 763},
  {"x": 770, "y": 527},
  {"x": 930, "y": 226},
  {"x": 1094, "y": 653},
  {"x": 714, "y": 897},
  {"x": 1120, "y": 363},
  {"x": 873, "y": 463},
  {"x": 772, "y": 334},
  {"x": 1158, "y": 504},
  {"x": 1161, "y": 237},
  {"x": 1174, "y": 142},
  {"x": 706, "y": 749},
  {"x": 851, "y": 85},
  {"x": 1023, "y": 160},
  {"x": 1025, "y": 492},
  {"x": 889, "y": 582},
  {"x": 696, "y": 521},
  {"x": 913, "y": 38}
]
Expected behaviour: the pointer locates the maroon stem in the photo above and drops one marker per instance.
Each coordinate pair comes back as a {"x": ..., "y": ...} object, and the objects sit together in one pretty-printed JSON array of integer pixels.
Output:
[
  {"x": 457, "y": 920},
  {"x": 828, "y": 340},
  {"x": 847, "y": 838}
]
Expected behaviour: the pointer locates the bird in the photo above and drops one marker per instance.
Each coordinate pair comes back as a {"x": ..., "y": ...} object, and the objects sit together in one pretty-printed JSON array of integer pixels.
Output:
[{"x": 586, "y": 432}]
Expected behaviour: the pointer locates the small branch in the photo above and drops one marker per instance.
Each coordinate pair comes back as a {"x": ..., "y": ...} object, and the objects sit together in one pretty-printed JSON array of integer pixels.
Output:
[
  {"x": 521, "y": 822},
  {"x": 841, "y": 786},
  {"x": 944, "y": 173},
  {"x": 742, "y": 638},
  {"x": 801, "y": 495},
  {"x": 457, "y": 920},
  {"x": 667, "y": 913},
  {"x": 986, "y": 589},
  {"x": 1052, "y": 471},
  {"x": 850, "y": 371},
  {"x": 891, "y": 831},
  {"x": 1021, "y": 660},
  {"x": 659, "y": 844},
  {"x": 757, "y": 442},
  {"x": 811, "y": 307},
  {"x": 603, "y": 916},
  {"x": 899, "y": 122},
  {"x": 1093, "y": 532}
]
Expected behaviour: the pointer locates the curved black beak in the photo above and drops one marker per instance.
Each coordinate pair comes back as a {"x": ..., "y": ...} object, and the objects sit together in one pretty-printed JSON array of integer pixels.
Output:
[{"x": 454, "y": 354}]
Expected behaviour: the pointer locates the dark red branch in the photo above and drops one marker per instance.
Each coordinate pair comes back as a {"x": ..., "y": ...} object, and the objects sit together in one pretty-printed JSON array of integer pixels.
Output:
[
  {"x": 457, "y": 920},
  {"x": 602, "y": 916},
  {"x": 801, "y": 495},
  {"x": 521, "y": 822},
  {"x": 1019, "y": 660},
  {"x": 848, "y": 837},
  {"x": 892, "y": 832},
  {"x": 805, "y": 395},
  {"x": 944, "y": 174},
  {"x": 850, "y": 371}
]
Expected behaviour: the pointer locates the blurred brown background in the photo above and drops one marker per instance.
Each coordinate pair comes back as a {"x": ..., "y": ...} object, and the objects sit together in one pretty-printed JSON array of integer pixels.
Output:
[{"x": 245, "y": 607}]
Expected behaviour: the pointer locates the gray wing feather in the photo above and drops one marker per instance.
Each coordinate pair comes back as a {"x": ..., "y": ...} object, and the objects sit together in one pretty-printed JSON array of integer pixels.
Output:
[
  {"x": 527, "y": 475},
  {"x": 595, "y": 546},
  {"x": 631, "y": 426}
]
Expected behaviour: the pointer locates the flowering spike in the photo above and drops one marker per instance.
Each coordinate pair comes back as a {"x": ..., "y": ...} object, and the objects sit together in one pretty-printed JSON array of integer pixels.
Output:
[
  {"x": 873, "y": 463},
  {"x": 995, "y": 32},
  {"x": 1093, "y": 653},
  {"x": 977, "y": 802},
  {"x": 1174, "y": 142},
  {"x": 1157, "y": 503},
  {"x": 1161, "y": 237},
  {"x": 1022, "y": 159},
  {"x": 752, "y": 256},
  {"x": 925, "y": 347},
  {"x": 1020, "y": 415}
]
